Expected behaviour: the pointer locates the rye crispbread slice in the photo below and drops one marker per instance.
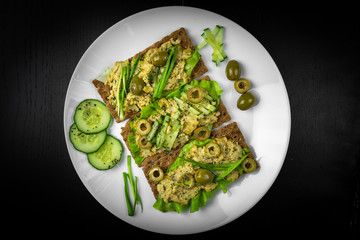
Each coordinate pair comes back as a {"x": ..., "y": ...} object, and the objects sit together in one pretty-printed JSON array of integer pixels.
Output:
[
  {"x": 199, "y": 70},
  {"x": 230, "y": 131},
  {"x": 222, "y": 118}
]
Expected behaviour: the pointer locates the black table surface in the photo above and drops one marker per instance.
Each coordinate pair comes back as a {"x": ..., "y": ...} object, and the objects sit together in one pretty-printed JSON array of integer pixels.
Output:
[{"x": 316, "y": 49}]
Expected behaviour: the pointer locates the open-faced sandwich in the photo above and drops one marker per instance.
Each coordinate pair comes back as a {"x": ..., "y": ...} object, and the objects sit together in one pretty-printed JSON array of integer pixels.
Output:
[
  {"x": 188, "y": 177},
  {"x": 171, "y": 116},
  {"x": 131, "y": 85},
  {"x": 189, "y": 112}
]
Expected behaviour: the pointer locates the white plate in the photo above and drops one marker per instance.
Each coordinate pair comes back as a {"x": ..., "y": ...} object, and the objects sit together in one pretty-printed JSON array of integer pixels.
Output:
[{"x": 265, "y": 126}]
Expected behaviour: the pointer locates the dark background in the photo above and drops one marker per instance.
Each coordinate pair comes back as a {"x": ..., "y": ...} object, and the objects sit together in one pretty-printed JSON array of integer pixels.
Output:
[{"x": 316, "y": 48}]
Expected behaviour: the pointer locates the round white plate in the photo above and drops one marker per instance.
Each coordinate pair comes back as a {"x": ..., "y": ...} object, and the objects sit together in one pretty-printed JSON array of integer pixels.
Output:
[{"x": 266, "y": 126}]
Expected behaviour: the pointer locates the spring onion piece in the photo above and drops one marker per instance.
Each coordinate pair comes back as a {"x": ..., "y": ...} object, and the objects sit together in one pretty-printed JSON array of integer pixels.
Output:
[
  {"x": 123, "y": 84},
  {"x": 127, "y": 196},
  {"x": 230, "y": 169},
  {"x": 226, "y": 167},
  {"x": 132, "y": 71},
  {"x": 133, "y": 185},
  {"x": 169, "y": 66},
  {"x": 124, "y": 71}
]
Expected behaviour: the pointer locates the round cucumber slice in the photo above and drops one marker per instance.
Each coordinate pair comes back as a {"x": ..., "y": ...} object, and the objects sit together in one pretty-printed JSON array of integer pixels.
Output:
[
  {"x": 108, "y": 155},
  {"x": 86, "y": 143},
  {"x": 92, "y": 116}
]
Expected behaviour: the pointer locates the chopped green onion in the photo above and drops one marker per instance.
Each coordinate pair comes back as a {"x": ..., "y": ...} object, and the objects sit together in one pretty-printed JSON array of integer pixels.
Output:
[
  {"x": 127, "y": 196},
  {"x": 133, "y": 70},
  {"x": 230, "y": 169},
  {"x": 169, "y": 66},
  {"x": 131, "y": 209}
]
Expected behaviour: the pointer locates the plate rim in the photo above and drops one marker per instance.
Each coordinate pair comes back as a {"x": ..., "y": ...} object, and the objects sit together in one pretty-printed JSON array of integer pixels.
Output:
[{"x": 78, "y": 65}]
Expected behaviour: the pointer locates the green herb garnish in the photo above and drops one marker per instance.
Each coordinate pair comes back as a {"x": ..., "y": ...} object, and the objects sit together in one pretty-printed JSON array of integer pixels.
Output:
[
  {"x": 123, "y": 84},
  {"x": 133, "y": 184},
  {"x": 169, "y": 66},
  {"x": 226, "y": 167}
]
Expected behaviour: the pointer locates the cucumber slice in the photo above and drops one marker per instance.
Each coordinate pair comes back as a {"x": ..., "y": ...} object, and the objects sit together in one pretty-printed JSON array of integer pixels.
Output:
[
  {"x": 86, "y": 143},
  {"x": 108, "y": 155},
  {"x": 92, "y": 116}
]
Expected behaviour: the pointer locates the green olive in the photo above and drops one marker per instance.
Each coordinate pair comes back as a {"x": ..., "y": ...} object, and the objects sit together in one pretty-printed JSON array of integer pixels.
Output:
[
  {"x": 249, "y": 165},
  {"x": 143, "y": 127},
  {"x": 159, "y": 58},
  {"x": 143, "y": 144},
  {"x": 195, "y": 94},
  {"x": 187, "y": 180},
  {"x": 201, "y": 133},
  {"x": 137, "y": 85},
  {"x": 203, "y": 176},
  {"x": 233, "y": 70},
  {"x": 245, "y": 101},
  {"x": 212, "y": 149},
  {"x": 242, "y": 85},
  {"x": 156, "y": 174}
]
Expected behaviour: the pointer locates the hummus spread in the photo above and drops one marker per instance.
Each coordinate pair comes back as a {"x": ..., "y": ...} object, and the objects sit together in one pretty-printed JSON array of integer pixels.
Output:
[{"x": 171, "y": 187}]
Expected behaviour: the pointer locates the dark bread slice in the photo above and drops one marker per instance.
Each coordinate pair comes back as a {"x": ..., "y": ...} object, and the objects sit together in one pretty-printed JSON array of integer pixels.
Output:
[
  {"x": 223, "y": 117},
  {"x": 186, "y": 42},
  {"x": 231, "y": 131},
  {"x": 200, "y": 68},
  {"x": 164, "y": 162}
]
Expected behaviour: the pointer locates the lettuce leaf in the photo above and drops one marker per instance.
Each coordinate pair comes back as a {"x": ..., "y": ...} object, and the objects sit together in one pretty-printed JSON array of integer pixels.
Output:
[
  {"x": 212, "y": 87},
  {"x": 191, "y": 62},
  {"x": 134, "y": 149},
  {"x": 195, "y": 204},
  {"x": 149, "y": 110},
  {"x": 104, "y": 75}
]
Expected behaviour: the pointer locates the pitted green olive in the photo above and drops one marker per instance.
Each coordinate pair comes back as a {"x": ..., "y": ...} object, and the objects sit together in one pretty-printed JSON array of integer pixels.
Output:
[
  {"x": 212, "y": 149},
  {"x": 242, "y": 85},
  {"x": 143, "y": 127},
  {"x": 249, "y": 165},
  {"x": 159, "y": 58},
  {"x": 195, "y": 94},
  {"x": 201, "y": 133},
  {"x": 143, "y": 144},
  {"x": 156, "y": 174}
]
